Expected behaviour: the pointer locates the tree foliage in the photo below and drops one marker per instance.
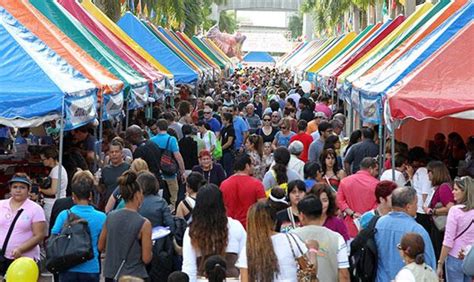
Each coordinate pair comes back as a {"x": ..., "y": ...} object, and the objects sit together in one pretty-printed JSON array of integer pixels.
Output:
[
  {"x": 295, "y": 25},
  {"x": 177, "y": 14},
  {"x": 327, "y": 14}
]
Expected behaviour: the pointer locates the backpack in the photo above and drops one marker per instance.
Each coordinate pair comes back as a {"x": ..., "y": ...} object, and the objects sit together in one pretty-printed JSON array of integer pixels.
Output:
[
  {"x": 168, "y": 163},
  {"x": 363, "y": 257},
  {"x": 71, "y": 247}
]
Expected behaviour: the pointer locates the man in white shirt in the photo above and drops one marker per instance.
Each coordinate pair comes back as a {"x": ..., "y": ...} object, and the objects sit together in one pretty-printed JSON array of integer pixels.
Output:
[
  {"x": 333, "y": 262},
  {"x": 400, "y": 167}
]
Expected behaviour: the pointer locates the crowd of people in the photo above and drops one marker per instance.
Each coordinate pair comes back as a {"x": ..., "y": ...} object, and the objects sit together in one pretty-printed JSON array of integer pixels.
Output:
[{"x": 248, "y": 175}]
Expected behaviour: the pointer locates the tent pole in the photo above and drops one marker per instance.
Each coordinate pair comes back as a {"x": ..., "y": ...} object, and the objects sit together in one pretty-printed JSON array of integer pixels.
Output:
[
  {"x": 127, "y": 116},
  {"x": 392, "y": 141},
  {"x": 61, "y": 150},
  {"x": 384, "y": 151},
  {"x": 381, "y": 148},
  {"x": 101, "y": 130}
]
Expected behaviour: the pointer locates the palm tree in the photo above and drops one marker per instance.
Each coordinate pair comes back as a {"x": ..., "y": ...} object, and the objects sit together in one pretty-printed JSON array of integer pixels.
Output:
[{"x": 327, "y": 14}]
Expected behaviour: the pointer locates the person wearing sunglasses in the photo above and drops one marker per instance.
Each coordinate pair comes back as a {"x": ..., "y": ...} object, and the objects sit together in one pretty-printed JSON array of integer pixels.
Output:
[
  {"x": 267, "y": 131},
  {"x": 282, "y": 138},
  {"x": 459, "y": 233},
  {"x": 412, "y": 248}
]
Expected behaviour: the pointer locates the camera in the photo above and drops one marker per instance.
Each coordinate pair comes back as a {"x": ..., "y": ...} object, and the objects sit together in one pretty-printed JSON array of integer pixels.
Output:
[{"x": 43, "y": 182}]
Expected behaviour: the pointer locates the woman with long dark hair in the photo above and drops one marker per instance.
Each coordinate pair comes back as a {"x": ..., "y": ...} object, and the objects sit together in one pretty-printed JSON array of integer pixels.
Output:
[
  {"x": 211, "y": 233},
  {"x": 332, "y": 174},
  {"x": 268, "y": 255},
  {"x": 288, "y": 219},
  {"x": 279, "y": 174}
]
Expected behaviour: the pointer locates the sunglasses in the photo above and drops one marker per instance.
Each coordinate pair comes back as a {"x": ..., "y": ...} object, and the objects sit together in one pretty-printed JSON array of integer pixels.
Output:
[
  {"x": 266, "y": 119},
  {"x": 207, "y": 113}
]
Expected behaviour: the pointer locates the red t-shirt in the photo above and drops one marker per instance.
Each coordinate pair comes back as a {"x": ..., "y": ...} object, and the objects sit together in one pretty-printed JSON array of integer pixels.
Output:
[
  {"x": 306, "y": 139},
  {"x": 240, "y": 192}
]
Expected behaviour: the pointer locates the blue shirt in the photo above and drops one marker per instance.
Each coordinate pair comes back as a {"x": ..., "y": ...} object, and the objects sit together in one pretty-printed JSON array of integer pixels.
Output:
[
  {"x": 390, "y": 230},
  {"x": 240, "y": 126},
  {"x": 161, "y": 139},
  {"x": 96, "y": 220},
  {"x": 214, "y": 124}
]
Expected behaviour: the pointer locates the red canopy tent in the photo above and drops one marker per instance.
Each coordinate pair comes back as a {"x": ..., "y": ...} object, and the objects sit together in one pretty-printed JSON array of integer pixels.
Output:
[{"x": 438, "y": 96}]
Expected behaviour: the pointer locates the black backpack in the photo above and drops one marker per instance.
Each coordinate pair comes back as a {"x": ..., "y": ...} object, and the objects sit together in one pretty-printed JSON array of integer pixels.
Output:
[
  {"x": 363, "y": 257},
  {"x": 71, "y": 247},
  {"x": 168, "y": 164}
]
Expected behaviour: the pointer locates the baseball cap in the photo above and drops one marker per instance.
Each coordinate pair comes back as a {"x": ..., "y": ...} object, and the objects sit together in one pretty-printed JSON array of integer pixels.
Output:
[{"x": 20, "y": 179}]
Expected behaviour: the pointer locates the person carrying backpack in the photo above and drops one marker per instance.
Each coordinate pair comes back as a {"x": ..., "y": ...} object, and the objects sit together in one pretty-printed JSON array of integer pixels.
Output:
[
  {"x": 89, "y": 270},
  {"x": 171, "y": 162},
  {"x": 390, "y": 229}
]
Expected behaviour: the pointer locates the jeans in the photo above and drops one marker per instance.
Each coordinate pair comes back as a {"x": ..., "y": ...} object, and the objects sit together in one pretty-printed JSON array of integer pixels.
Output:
[
  {"x": 454, "y": 272},
  {"x": 78, "y": 277},
  {"x": 227, "y": 162}
]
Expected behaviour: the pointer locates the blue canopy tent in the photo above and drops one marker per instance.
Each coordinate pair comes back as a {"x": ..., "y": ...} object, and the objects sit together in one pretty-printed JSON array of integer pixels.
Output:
[
  {"x": 36, "y": 84},
  {"x": 258, "y": 57},
  {"x": 143, "y": 36}
]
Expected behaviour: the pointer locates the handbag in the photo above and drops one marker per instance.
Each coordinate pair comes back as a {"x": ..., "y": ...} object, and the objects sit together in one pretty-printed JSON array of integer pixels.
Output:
[
  {"x": 71, "y": 247},
  {"x": 468, "y": 263},
  {"x": 440, "y": 220},
  {"x": 217, "y": 153},
  {"x": 306, "y": 271},
  {"x": 5, "y": 262}
]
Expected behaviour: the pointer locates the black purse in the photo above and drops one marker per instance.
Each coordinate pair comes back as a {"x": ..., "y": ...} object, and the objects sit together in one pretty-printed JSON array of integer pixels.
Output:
[
  {"x": 5, "y": 262},
  {"x": 71, "y": 247}
]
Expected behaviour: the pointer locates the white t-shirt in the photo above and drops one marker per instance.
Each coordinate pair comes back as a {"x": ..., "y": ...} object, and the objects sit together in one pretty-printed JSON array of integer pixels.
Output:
[
  {"x": 399, "y": 177},
  {"x": 422, "y": 184},
  {"x": 237, "y": 241},
  {"x": 209, "y": 139},
  {"x": 286, "y": 261},
  {"x": 405, "y": 275},
  {"x": 54, "y": 174}
]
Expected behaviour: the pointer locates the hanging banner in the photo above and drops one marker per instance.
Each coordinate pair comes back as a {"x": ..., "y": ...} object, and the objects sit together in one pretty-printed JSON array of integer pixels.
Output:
[
  {"x": 138, "y": 97},
  {"x": 80, "y": 111},
  {"x": 113, "y": 105}
]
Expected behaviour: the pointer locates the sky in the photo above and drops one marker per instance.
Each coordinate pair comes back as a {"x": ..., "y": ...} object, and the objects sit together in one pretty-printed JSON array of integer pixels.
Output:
[{"x": 264, "y": 18}]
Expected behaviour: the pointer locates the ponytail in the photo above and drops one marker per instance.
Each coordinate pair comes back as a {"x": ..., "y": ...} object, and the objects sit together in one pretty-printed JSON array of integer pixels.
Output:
[
  {"x": 280, "y": 173},
  {"x": 420, "y": 258},
  {"x": 128, "y": 185}
]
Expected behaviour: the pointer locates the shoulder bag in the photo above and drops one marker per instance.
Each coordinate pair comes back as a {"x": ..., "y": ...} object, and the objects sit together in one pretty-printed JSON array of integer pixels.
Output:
[
  {"x": 73, "y": 246},
  {"x": 4, "y": 262},
  {"x": 306, "y": 271}
]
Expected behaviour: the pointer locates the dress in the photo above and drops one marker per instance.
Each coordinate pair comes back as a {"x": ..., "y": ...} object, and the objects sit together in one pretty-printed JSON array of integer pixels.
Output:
[{"x": 258, "y": 166}]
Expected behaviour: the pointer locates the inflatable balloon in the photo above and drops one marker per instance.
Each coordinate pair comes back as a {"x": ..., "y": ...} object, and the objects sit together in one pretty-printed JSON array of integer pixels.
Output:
[
  {"x": 306, "y": 86},
  {"x": 22, "y": 270}
]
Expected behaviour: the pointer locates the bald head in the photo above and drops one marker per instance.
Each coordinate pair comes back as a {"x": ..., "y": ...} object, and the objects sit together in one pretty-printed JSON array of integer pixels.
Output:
[{"x": 134, "y": 134}]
